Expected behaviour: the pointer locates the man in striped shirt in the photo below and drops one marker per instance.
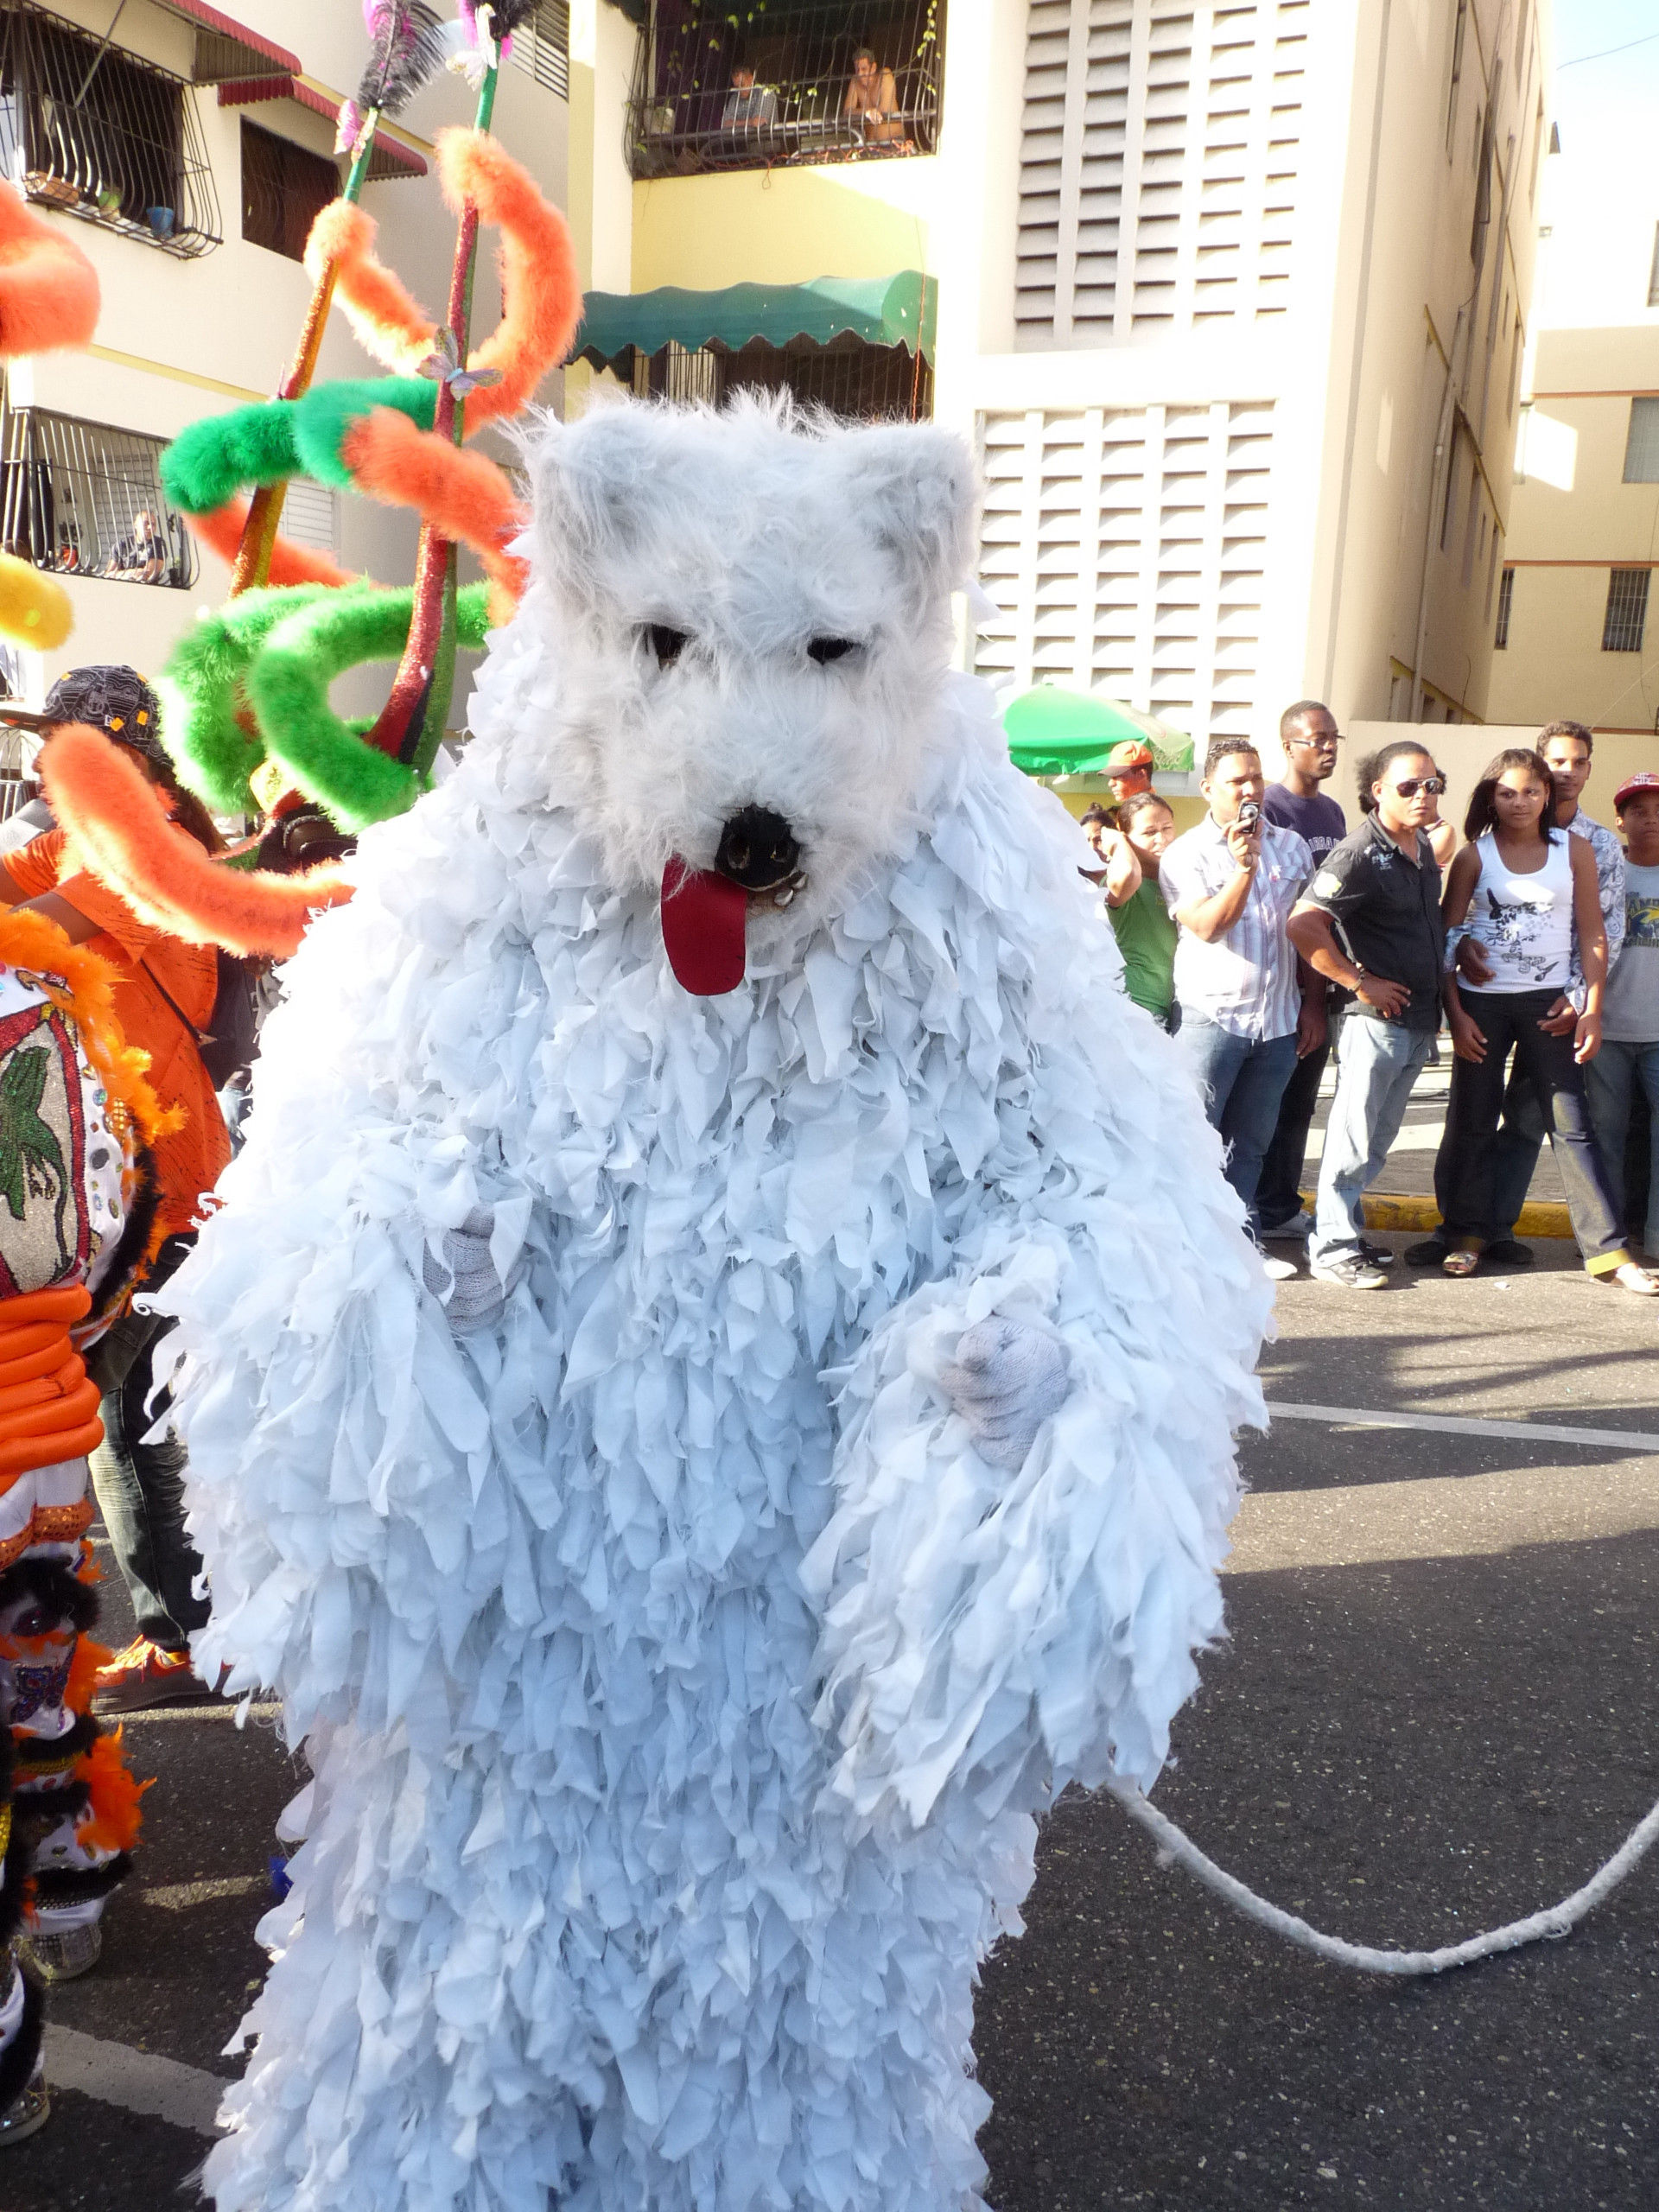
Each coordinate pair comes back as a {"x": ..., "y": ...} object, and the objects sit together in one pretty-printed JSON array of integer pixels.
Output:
[{"x": 1230, "y": 884}]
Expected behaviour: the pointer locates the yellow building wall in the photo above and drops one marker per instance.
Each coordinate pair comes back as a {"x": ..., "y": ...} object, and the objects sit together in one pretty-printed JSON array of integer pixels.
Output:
[
  {"x": 1569, "y": 527},
  {"x": 783, "y": 226}
]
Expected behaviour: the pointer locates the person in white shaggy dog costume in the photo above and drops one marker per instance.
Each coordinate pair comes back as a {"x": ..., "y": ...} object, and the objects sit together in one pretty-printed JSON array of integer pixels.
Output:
[{"x": 702, "y": 1461}]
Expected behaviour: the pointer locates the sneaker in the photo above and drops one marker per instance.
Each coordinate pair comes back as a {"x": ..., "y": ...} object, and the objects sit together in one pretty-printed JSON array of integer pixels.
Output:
[
  {"x": 1642, "y": 1281},
  {"x": 1277, "y": 1270},
  {"x": 145, "y": 1675},
  {"x": 1430, "y": 1253},
  {"x": 1380, "y": 1255},
  {"x": 1349, "y": 1273},
  {"x": 1296, "y": 1229},
  {"x": 1505, "y": 1252}
]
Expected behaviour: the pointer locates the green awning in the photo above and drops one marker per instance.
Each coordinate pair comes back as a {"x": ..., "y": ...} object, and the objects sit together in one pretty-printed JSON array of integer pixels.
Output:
[
  {"x": 1054, "y": 731},
  {"x": 883, "y": 310}
]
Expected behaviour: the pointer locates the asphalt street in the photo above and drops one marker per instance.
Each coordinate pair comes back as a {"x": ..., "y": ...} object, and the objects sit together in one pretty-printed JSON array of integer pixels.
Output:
[{"x": 1432, "y": 1714}]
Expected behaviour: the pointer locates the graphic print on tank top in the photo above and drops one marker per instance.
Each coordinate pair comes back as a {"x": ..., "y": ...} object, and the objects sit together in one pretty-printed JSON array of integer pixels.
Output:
[
  {"x": 1524, "y": 919},
  {"x": 1517, "y": 934}
]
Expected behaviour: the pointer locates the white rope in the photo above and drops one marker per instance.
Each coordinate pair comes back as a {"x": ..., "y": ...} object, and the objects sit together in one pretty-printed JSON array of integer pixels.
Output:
[{"x": 1556, "y": 1920}]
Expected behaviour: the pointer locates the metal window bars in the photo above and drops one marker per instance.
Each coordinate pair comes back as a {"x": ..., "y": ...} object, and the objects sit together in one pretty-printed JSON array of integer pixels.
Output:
[
  {"x": 98, "y": 133},
  {"x": 1626, "y": 618},
  {"x": 806, "y": 103},
  {"x": 849, "y": 378},
  {"x": 84, "y": 499}
]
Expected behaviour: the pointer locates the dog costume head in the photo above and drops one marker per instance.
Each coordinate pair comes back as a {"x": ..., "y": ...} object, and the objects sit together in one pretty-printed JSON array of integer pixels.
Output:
[{"x": 753, "y": 629}]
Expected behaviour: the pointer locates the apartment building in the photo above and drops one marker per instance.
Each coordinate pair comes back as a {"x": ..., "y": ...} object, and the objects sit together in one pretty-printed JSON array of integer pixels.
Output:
[
  {"x": 185, "y": 151},
  {"x": 1574, "y": 631},
  {"x": 1231, "y": 294}
]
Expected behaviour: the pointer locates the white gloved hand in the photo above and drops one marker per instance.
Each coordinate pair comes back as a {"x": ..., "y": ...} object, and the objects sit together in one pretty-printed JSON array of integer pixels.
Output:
[
  {"x": 465, "y": 1281},
  {"x": 1006, "y": 1380}
]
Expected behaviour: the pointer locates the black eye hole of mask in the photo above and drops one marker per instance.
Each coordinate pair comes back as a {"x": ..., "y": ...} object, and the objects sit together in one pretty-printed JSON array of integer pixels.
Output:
[
  {"x": 667, "y": 644},
  {"x": 825, "y": 650}
]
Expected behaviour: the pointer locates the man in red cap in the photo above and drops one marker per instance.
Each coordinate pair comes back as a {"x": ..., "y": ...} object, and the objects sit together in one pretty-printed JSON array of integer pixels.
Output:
[
  {"x": 1629, "y": 1059},
  {"x": 1128, "y": 767}
]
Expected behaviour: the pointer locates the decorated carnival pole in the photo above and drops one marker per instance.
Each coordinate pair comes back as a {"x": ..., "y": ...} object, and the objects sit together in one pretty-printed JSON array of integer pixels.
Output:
[
  {"x": 407, "y": 48},
  {"x": 412, "y": 722}
]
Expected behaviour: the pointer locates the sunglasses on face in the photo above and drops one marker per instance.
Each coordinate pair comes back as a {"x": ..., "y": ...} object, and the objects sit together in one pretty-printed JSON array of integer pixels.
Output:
[{"x": 1432, "y": 784}]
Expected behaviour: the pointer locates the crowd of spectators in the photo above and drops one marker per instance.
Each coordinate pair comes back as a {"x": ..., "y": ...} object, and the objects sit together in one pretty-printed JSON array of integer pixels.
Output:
[{"x": 1270, "y": 937}]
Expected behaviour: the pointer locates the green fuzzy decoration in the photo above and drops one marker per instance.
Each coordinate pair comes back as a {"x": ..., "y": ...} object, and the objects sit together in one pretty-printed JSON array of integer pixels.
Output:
[
  {"x": 326, "y": 414},
  {"x": 210, "y": 462},
  {"x": 213, "y": 459},
  {"x": 289, "y": 687},
  {"x": 201, "y": 689}
]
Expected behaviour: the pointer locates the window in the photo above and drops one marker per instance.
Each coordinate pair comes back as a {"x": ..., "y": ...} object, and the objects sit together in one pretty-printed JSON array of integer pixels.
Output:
[
  {"x": 542, "y": 47},
  {"x": 1642, "y": 444},
  {"x": 95, "y": 132},
  {"x": 849, "y": 378},
  {"x": 1505, "y": 602},
  {"x": 82, "y": 497},
  {"x": 686, "y": 113},
  {"x": 1653, "y": 271},
  {"x": 284, "y": 188},
  {"x": 1627, "y": 611},
  {"x": 311, "y": 515}
]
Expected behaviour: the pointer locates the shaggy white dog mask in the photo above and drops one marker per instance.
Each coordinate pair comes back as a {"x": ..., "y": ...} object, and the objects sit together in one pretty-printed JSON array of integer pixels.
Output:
[{"x": 701, "y": 1470}]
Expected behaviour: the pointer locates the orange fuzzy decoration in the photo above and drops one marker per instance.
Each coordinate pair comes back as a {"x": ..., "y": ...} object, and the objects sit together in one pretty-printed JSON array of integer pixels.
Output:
[
  {"x": 31, "y": 942},
  {"x": 48, "y": 290},
  {"x": 541, "y": 291},
  {"x": 389, "y": 323},
  {"x": 83, "y": 1673},
  {"x": 113, "y": 1818},
  {"x": 221, "y": 531},
  {"x": 462, "y": 495},
  {"x": 120, "y": 830}
]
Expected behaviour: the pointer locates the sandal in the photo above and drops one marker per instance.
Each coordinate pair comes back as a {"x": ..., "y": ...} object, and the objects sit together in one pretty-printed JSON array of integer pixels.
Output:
[
  {"x": 1463, "y": 1262},
  {"x": 1642, "y": 1281}
]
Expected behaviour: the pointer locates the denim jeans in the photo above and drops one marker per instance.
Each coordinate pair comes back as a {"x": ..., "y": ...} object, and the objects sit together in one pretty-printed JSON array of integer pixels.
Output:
[
  {"x": 1465, "y": 1179},
  {"x": 1279, "y": 1192},
  {"x": 1611, "y": 1081},
  {"x": 139, "y": 1486},
  {"x": 1243, "y": 1080},
  {"x": 1521, "y": 1136},
  {"x": 1377, "y": 1063}
]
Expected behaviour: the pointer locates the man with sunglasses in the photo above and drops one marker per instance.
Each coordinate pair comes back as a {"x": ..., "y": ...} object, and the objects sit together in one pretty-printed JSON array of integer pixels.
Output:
[
  {"x": 1309, "y": 737},
  {"x": 1370, "y": 923}
]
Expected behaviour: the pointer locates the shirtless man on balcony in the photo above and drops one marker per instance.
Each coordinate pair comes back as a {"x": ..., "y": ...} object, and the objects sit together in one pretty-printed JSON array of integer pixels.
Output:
[{"x": 872, "y": 102}]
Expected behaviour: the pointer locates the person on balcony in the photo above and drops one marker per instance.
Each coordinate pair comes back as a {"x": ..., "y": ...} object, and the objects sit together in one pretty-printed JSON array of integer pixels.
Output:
[
  {"x": 750, "y": 109},
  {"x": 142, "y": 556},
  {"x": 872, "y": 103}
]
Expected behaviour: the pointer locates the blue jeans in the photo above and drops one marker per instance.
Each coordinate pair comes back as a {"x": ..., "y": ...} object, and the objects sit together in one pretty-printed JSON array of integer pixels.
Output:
[
  {"x": 1242, "y": 1079},
  {"x": 1377, "y": 1063},
  {"x": 140, "y": 1486},
  {"x": 1609, "y": 1083}
]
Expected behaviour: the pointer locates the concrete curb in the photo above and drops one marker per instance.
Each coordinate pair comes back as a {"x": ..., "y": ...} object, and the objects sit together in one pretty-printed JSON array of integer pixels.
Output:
[{"x": 1422, "y": 1215}]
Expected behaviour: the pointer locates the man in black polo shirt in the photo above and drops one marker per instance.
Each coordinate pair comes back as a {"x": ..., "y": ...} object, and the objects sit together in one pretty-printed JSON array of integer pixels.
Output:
[{"x": 1370, "y": 921}]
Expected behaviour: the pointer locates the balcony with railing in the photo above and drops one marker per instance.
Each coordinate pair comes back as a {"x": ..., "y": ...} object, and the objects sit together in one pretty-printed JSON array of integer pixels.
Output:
[
  {"x": 84, "y": 499},
  {"x": 102, "y": 134},
  {"x": 775, "y": 82}
]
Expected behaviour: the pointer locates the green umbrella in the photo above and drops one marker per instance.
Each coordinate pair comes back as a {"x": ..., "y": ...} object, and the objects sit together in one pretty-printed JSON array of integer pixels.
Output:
[{"x": 1053, "y": 731}]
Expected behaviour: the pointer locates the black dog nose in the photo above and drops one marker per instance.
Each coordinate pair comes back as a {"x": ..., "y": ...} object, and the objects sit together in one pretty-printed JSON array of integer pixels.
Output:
[{"x": 758, "y": 849}]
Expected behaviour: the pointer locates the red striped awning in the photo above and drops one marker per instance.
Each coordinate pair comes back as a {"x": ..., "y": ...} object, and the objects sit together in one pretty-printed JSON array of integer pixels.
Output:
[
  {"x": 226, "y": 49},
  {"x": 390, "y": 157}
]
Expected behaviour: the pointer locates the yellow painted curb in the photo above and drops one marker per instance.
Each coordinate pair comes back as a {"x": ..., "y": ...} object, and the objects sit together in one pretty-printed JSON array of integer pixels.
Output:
[{"x": 1404, "y": 1213}]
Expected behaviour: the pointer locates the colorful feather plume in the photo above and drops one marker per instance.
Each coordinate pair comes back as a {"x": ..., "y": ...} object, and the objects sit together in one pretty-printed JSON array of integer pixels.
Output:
[{"x": 406, "y": 48}]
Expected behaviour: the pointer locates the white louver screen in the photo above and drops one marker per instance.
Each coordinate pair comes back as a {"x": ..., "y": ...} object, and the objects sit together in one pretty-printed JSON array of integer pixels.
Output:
[
  {"x": 311, "y": 515},
  {"x": 1126, "y": 548},
  {"x": 1158, "y": 166}
]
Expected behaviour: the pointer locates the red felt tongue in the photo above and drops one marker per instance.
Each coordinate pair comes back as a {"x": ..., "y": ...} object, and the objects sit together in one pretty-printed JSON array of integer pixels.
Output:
[{"x": 704, "y": 920}]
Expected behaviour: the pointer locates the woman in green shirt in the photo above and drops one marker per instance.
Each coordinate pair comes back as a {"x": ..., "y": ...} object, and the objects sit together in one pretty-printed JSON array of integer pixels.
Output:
[{"x": 1142, "y": 925}]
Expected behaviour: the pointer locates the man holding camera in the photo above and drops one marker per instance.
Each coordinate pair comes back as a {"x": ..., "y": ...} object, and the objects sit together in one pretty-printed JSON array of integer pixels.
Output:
[{"x": 1244, "y": 1019}]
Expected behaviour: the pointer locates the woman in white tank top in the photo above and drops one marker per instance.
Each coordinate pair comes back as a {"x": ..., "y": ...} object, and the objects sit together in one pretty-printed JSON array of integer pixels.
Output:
[{"x": 1526, "y": 892}]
